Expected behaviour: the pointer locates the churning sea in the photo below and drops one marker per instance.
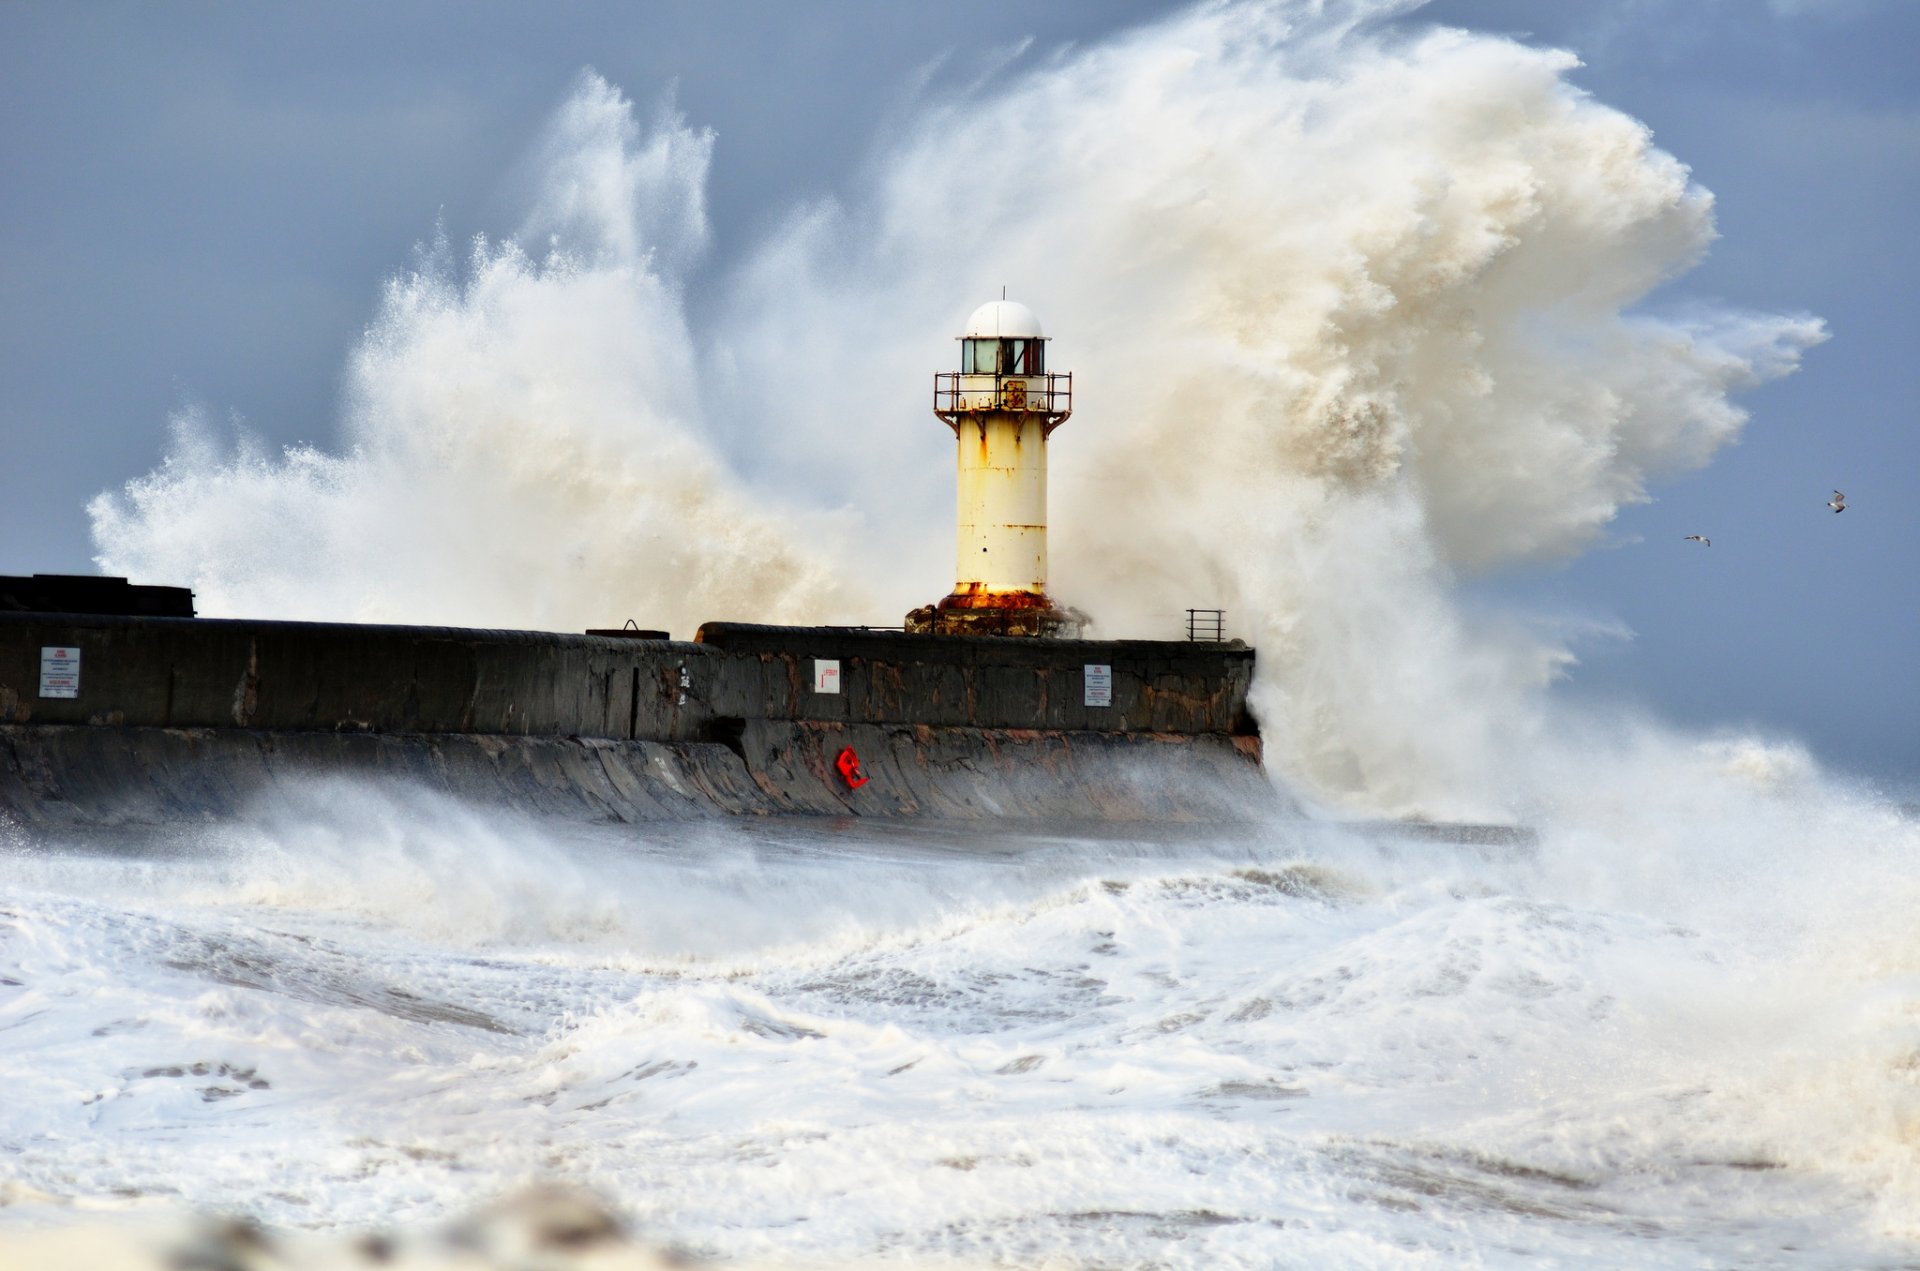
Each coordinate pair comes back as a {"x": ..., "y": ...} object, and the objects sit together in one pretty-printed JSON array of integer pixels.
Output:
[{"x": 990, "y": 1044}]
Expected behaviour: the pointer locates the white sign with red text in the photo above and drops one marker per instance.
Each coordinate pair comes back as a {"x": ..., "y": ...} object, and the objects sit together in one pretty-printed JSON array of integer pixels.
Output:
[
  {"x": 826, "y": 675},
  {"x": 59, "y": 671},
  {"x": 1099, "y": 685}
]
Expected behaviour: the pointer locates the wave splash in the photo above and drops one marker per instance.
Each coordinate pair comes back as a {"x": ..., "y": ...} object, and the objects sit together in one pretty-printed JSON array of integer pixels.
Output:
[
  {"x": 1228, "y": 1051},
  {"x": 1355, "y": 311},
  {"x": 523, "y": 435}
]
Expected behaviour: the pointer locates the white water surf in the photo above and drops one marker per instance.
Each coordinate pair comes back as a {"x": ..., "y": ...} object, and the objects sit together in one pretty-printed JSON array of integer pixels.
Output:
[
  {"x": 1354, "y": 316},
  {"x": 1280, "y": 1045}
]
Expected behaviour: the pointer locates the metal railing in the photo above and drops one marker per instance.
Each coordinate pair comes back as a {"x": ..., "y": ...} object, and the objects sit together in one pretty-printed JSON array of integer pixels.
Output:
[
  {"x": 1047, "y": 394},
  {"x": 1207, "y": 625}
]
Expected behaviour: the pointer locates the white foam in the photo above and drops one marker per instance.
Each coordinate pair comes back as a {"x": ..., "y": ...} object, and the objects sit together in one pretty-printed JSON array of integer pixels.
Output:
[
  {"x": 1353, "y": 317},
  {"x": 1350, "y": 315},
  {"x": 1250, "y": 1048}
]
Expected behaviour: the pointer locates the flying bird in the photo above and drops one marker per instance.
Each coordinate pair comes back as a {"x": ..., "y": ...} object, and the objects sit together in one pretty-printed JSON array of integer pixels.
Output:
[
  {"x": 1701, "y": 539},
  {"x": 1839, "y": 502}
]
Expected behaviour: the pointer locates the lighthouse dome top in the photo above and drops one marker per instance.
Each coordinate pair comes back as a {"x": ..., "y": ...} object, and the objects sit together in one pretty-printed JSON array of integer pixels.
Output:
[{"x": 1003, "y": 319}]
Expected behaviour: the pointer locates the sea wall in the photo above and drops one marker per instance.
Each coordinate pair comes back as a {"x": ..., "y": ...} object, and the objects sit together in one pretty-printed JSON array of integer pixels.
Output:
[
  {"x": 72, "y": 777},
  {"x": 189, "y": 719},
  {"x": 211, "y": 673}
]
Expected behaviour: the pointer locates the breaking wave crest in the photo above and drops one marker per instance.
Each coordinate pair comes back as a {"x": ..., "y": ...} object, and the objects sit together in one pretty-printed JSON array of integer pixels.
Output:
[
  {"x": 1355, "y": 311},
  {"x": 523, "y": 435}
]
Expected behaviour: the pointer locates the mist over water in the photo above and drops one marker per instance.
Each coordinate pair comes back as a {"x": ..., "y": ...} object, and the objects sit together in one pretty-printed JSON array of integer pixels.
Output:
[
  {"x": 1246, "y": 1047},
  {"x": 523, "y": 438},
  {"x": 1354, "y": 316}
]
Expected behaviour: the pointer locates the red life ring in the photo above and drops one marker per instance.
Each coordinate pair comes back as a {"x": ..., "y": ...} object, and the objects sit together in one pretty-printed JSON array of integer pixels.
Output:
[{"x": 849, "y": 765}]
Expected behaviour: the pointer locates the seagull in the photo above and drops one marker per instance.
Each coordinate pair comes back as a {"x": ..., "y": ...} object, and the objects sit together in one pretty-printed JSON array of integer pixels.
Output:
[
  {"x": 1839, "y": 502},
  {"x": 1701, "y": 539}
]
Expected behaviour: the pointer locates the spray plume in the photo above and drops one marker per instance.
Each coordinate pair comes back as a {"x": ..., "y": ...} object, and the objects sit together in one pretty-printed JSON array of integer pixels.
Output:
[
  {"x": 1353, "y": 313},
  {"x": 524, "y": 437}
]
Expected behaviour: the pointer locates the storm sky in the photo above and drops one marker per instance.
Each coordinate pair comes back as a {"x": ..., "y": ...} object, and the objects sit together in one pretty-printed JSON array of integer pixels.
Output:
[{"x": 201, "y": 203}]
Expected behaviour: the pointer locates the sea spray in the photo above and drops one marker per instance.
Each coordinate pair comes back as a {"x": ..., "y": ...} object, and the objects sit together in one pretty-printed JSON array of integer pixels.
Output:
[
  {"x": 1352, "y": 309},
  {"x": 1279, "y": 1045},
  {"x": 1356, "y": 311},
  {"x": 524, "y": 443}
]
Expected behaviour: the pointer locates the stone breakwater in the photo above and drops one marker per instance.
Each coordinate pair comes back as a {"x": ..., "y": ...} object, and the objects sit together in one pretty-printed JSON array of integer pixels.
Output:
[{"x": 188, "y": 719}]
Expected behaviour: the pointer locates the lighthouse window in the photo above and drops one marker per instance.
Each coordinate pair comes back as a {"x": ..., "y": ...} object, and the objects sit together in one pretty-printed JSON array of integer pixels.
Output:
[
  {"x": 1003, "y": 357},
  {"x": 980, "y": 357}
]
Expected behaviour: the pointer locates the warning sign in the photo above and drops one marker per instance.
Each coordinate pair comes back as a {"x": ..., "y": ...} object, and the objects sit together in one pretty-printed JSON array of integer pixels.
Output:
[
  {"x": 826, "y": 675},
  {"x": 1099, "y": 685},
  {"x": 59, "y": 672}
]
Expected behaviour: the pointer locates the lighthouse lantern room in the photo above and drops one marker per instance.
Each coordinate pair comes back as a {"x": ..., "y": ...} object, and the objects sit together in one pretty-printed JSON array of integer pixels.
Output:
[{"x": 1002, "y": 404}]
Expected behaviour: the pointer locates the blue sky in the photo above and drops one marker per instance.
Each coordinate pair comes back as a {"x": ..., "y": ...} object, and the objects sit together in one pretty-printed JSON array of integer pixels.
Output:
[
  {"x": 202, "y": 202},
  {"x": 1804, "y": 120}
]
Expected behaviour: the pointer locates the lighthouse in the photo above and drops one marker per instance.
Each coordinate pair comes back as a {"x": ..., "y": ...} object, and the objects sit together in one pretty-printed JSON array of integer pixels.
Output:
[{"x": 1002, "y": 405}]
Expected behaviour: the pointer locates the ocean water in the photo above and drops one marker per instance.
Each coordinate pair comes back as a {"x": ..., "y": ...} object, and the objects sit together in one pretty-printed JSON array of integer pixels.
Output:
[
  {"x": 1358, "y": 311},
  {"x": 1287, "y": 1044}
]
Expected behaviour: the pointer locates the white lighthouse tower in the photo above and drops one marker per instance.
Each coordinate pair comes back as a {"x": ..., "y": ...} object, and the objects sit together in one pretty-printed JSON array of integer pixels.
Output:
[{"x": 1002, "y": 405}]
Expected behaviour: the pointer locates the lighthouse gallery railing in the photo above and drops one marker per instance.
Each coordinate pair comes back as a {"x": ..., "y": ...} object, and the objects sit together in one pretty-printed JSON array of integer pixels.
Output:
[{"x": 958, "y": 393}]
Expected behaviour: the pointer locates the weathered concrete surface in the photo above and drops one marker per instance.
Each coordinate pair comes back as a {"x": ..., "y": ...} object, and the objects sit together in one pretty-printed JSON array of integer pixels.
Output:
[
  {"x": 202, "y": 673},
  {"x": 989, "y": 682},
  {"x": 212, "y": 673},
  {"x": 78, "y": 776},
  {"x": 183, "y": 719}
]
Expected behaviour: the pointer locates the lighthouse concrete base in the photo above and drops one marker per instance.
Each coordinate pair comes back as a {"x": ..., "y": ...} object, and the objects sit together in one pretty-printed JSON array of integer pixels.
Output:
[{"x": 1045, "y": 622}]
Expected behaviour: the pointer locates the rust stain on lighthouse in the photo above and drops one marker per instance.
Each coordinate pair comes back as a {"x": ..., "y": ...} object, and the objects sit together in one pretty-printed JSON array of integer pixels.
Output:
[{"x": 1002, "y": 405}]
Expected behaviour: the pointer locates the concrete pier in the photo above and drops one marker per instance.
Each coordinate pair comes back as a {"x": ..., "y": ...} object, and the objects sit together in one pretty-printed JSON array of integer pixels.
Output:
[{"x": 183, "y": 719}]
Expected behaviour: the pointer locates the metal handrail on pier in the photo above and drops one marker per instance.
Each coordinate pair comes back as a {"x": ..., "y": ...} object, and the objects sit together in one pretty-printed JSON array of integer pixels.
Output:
[{"x": 1207, "y": 625}]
